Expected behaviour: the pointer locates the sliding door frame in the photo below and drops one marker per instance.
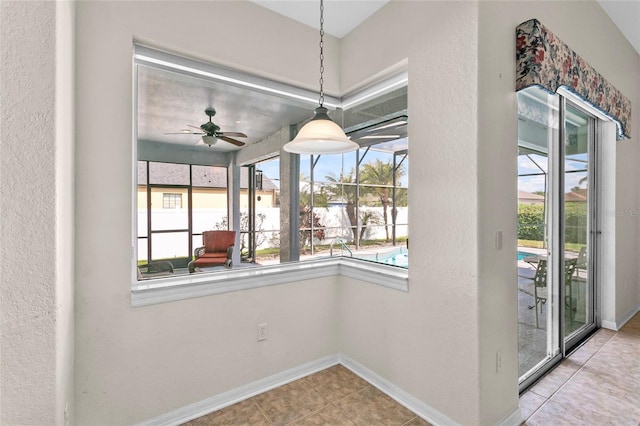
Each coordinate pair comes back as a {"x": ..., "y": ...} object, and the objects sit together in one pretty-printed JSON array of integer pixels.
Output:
[{"x": 556, "y": 276}]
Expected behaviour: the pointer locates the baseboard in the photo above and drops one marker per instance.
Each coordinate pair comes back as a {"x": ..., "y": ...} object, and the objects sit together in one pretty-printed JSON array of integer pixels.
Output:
[
  {"x": 241, "y": 393},
  {"x": 514, "y": 419},
  {"x": 618, "y": 324},
  {"x": 423, "y": 410},
  {"x": 201, "y": 408}
]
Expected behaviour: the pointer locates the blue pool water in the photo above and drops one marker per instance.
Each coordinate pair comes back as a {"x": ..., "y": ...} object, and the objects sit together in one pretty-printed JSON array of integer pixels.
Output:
[
  {"x": 523, "y": 254},
  {"x": 400, "y": 259}
]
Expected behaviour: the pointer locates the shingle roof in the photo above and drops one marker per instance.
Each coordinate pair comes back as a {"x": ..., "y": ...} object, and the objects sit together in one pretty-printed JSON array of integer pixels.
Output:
[
  {"x": 523, "y": 195},
  {"x": 579, "y": 194}
]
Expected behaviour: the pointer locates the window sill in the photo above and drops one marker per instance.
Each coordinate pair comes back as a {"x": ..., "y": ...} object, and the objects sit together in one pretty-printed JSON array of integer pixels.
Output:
[{"x": 162, "y": 290}]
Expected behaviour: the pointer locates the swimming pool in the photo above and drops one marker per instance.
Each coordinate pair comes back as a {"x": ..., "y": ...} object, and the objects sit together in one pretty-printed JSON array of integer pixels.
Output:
[
  {"x": 523, "y": 254},
  {"x": 398, "y": 257}
]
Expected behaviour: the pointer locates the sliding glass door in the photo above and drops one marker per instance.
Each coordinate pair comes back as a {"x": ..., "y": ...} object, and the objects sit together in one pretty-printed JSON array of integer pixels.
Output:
[
  {"x": 556, "y": 217},
  {"x": 579, "y": 224}
]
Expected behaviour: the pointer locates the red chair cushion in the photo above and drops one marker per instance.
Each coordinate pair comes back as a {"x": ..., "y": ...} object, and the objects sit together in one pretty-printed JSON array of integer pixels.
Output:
[
  {"x": 218, "y": 241},
  {"x": 208, "y": 260}
]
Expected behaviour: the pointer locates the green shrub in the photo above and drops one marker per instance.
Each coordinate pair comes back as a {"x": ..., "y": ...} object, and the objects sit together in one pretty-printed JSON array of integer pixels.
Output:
[{"x": 531, "y": 222}]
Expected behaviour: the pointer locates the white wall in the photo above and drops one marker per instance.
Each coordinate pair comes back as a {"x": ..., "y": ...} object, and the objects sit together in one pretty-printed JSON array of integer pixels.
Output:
[
  {"x": 426, "y": 341},
  {"x": 35, "y": 202},
  {"x": 586, "y": 28},
  {"x": 438, "y": 341},
  {"x": 441, "y": 339},
  {"x": 133, "y": 364}
]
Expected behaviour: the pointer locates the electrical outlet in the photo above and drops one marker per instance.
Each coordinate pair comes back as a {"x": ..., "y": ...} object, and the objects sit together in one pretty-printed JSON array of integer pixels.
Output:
[{"x": 262, "y": 332}]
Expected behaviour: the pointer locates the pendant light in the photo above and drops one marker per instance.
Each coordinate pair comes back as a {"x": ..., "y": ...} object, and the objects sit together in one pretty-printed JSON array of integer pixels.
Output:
[{"x": 321, "y": 135}]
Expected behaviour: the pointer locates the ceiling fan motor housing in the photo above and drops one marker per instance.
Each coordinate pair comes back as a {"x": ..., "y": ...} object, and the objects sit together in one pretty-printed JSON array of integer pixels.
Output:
[{"x": 210, "y": 128}]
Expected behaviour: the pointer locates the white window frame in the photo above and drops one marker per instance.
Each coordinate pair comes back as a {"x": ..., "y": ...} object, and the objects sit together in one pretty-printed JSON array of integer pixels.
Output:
[{"x": 180, "y": 287}]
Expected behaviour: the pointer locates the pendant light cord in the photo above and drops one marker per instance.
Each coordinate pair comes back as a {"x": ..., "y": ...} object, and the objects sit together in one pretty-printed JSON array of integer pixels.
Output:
[{"x": 321, "y": 100}]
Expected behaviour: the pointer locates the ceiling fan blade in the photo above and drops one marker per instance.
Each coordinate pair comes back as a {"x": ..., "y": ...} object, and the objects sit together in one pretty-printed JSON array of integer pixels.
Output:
[
  {"x": 234, "y": 134},
  {"x": 195, "y": 127},
  {"x": 233, "y": 141},
  {"x": 184, "y": 133}
]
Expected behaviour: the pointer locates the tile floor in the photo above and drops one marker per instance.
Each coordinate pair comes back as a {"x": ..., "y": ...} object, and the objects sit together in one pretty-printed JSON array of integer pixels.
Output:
[
  {"x": 334, "y": 397},
  {"x": 599, "y": 384}
]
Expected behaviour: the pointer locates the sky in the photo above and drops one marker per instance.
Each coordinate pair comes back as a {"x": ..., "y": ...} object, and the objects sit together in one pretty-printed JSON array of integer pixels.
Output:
[
  {"x": 329, "y": 164},
  {"x": 574, "y": 171}
]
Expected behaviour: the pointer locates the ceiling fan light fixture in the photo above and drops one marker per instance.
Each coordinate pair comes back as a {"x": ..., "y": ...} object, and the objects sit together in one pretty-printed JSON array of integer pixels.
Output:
[
  {"x": 209, "y": 140},
  {"x": 321, "y": 135}
]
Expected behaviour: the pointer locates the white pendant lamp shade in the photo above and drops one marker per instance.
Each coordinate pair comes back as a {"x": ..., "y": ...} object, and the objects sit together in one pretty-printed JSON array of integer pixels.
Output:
[{"x": 321, "y": 135}]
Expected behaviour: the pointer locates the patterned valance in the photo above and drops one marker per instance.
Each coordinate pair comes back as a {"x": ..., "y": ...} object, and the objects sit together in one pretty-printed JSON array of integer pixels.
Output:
[{"x": 544, "y": 60}]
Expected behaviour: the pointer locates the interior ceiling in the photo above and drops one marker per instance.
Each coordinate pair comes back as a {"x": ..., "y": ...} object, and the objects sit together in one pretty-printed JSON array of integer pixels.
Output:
[
  {"x": 626, "y": 16},
  {"x": 342, "y": 16},
  {"x": 171, "y": 102}
]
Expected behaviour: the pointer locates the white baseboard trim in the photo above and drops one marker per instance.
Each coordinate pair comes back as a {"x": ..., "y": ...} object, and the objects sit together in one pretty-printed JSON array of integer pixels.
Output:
[
  {"x": 618, "y": 324},
  {"x": 514, "y": 419},
  {"x": 209, "y": 405},
  {"x": 423, "y": 410}
]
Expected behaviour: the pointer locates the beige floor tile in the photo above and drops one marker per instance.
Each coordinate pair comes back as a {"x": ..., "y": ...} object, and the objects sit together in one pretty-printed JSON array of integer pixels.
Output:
[
  {"x": 289, "y": 402},
  {"x": 616, "y": 357},
  {"x": 553, "y": 414},
  {"x": 336, "y": 382},
  {"x": 327, "y": 416},
  {"x": 370, "y": 407},
  {"x": 530, "y": 402},
  {"x": 556, "y": 378},
  {"x": 602, "y": 336},
  {"x": 587, "y": 405},
  {"x": 619, "y": 384},
  {"x": 583, "y": 354},
  {"x": 417, "y": 421},
  {"x": 244, "y": 413},
  {"x": 605, "y": 391}
]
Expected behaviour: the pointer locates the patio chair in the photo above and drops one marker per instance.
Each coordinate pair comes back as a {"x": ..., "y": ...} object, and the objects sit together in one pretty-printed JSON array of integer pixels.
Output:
[
  {"x": 539, "y": 287},
  {"x": 217, "y": 250},
  {"x": 581, "y": 262},
  {"x": 570, "y": 266},
  {"x": 156, "y": 268}
]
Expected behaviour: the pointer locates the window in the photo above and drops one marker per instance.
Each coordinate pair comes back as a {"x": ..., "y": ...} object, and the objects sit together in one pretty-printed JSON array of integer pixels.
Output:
[
  {"x": 356, "y": 204},
  {"x": 171, "y": 200},
  {"x": 328, "y": 205},
  {"x": 168, "y": 229}
]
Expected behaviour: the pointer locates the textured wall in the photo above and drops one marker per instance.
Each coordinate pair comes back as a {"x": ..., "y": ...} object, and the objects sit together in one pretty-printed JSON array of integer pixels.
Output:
[
  {"x": 437, "y": 342},
  {"x": 136, "y": 363},
  {"x": 426, "y": 341},
  {"x": 586, "y": 28},
  {"x": 28, "y": 213}
]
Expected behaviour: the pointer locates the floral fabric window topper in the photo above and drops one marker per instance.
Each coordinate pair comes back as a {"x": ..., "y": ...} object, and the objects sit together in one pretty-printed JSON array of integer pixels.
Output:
[{"x": 544, "y": 60}]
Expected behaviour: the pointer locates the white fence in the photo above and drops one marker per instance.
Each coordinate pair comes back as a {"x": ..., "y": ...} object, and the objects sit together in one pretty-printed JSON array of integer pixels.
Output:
[{"x": 333, "y": 219}]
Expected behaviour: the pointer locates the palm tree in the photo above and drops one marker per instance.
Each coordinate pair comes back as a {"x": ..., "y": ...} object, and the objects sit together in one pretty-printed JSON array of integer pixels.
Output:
[{"x": 380, "y": 173}]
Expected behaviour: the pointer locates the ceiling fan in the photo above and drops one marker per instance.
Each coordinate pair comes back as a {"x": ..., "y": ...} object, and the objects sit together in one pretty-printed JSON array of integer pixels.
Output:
[{"x": 210, "y": 132}]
